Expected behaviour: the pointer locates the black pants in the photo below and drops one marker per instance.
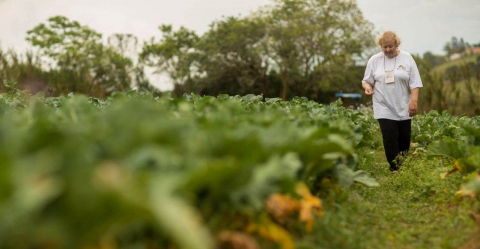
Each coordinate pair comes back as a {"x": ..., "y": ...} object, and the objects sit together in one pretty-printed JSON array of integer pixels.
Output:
[{"x": 396, "y": 139}]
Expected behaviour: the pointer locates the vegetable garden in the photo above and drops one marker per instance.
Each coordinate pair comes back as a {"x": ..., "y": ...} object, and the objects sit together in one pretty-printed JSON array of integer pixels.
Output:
[{"x": 137, "y": 171}]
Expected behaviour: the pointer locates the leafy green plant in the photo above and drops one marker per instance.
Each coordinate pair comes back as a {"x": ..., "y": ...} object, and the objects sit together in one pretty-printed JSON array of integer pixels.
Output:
[{"x": 133, "y": 169}]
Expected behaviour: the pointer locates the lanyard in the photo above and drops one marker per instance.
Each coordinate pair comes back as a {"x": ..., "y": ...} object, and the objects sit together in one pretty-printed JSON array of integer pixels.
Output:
[{"x": 384, "y": 59}]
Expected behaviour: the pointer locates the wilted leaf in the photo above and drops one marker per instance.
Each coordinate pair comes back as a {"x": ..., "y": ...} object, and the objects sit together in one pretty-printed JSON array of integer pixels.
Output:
[
  {"x": 281, "y": 206},
  {"x": 271, "y": 231},
  {"x": 309, "y": 205},
  {"x": 236, "y": 240}
]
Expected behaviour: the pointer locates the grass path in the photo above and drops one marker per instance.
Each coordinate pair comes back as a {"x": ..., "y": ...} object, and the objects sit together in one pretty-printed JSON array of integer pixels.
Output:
[{"x": 415, "y": 208}]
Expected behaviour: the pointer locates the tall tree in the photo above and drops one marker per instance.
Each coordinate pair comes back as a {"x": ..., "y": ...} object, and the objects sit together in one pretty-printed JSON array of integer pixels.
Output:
[
  {"x": 289, "y": 48},
  {"x": 232, "y": 57},
  {"x": 127, "y": 46},
  {"x": 174, "y": 55},
  {"x": 455, "y": 46},
  {"x": 80, "y": 60},
  {"x": 314, "y": 43}
]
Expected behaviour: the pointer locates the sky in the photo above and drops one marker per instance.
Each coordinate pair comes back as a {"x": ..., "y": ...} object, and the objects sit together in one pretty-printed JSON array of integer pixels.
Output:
[{"x": 423, "y": 25}]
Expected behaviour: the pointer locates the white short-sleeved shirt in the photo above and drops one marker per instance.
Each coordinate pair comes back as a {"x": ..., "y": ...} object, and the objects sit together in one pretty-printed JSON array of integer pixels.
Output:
[{"x": 392, "y": 100}]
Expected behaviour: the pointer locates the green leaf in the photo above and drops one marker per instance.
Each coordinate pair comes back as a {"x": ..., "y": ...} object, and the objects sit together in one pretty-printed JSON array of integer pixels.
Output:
[
  {"x": 346, "y": 176},
  {"x": 365, "y": 178},
  {"x": 423, "y": 138},
  {"x": 472, "y": 186},
  {"x": 447, "y": 147},
  {"x": 266, "y": 179},
  {"x": 473, "y": 132}
]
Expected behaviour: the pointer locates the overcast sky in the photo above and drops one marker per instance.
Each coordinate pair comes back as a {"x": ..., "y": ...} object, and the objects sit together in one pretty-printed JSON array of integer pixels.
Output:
[{"x": 423, "y": 25}]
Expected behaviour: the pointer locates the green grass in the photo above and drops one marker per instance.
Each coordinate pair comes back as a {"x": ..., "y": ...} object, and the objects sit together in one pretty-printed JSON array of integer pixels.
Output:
[{"x": 415, "y": 208}]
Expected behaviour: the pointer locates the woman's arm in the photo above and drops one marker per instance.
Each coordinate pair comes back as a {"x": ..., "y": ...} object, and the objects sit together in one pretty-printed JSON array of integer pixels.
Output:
[
  {"x": 412, "y": 111},
  {"x": 368, "y": 88}
]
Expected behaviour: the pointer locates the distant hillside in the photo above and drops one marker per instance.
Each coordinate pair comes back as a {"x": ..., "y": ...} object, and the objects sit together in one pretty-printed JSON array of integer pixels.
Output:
[
  {"x": 458, "y": 62},
  {"x": 454, "y": 86}
]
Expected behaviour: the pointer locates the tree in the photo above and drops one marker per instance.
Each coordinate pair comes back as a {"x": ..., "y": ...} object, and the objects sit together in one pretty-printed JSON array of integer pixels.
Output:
[
  {"x": 127, "y": 46},
  {"x": 314, "y": 42},
  {"x": 433, "y": 60},
  {"x": 290, "y": 48},
  {"x": 448, "y": 49},
  {"x": 455, "y": 46},
  {"x": 79, "y": 59},
  {"x": 173, "y": 54},
  {"x": 232, "y": 58}
]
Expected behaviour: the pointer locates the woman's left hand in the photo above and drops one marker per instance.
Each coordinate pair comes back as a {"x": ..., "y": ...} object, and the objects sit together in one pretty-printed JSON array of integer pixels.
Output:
[{"x": 412, "y": 110}]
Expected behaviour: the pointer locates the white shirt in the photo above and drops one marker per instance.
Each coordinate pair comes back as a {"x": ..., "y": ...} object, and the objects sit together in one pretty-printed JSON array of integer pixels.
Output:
[{"x": 392, "y": 100}]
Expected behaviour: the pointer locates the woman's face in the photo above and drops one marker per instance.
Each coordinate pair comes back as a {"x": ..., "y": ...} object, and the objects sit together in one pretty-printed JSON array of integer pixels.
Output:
[{"x": 389, "y": 47}]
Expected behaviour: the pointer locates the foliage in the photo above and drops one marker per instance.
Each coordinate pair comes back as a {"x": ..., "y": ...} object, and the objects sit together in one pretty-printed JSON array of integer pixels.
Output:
[
  {"x": 464, "y": 148},
  {"x": 22, "y": 68},
  {"x": 413, "y": 209},
  {"x": 458, "y": 140},
  {"x": 455, "y": 46},
  {"x": 138, "y": 170},
  {"x": 73, "y": 58},
  {"x": 290, "y": 48},
  {"x": 234, "y": 59},
  {"x": 172, "y": 54},
  {"x": 315, "y": 41},
  {"x": 78, "y": 53},
  {"x": 309, "y": 48},
  {"x": 453, "y": 86},
  {"x": 433, "y": 60},
  {"x": 434, "y": 126}
]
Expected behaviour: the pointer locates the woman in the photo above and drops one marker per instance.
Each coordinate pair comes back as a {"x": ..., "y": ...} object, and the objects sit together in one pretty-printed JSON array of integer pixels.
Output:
[{"x": 393, "y": 80}]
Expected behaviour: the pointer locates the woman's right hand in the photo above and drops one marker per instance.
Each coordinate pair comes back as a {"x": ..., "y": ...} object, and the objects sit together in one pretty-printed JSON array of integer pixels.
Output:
[
  {"x": 369, "y": 91},
  {"x": 368, "y": 88}
]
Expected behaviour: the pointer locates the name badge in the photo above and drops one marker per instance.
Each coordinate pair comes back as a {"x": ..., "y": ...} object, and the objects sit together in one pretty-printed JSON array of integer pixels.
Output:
[{"x": 389, "y": 77}]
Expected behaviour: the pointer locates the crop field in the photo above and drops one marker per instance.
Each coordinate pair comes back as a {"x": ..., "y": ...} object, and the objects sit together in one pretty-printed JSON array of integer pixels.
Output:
[{"x": 137, "y": 171}]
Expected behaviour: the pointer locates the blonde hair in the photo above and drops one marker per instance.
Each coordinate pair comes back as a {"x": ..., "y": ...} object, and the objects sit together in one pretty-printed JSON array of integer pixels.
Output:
[{"x": 389, "y": 34}]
